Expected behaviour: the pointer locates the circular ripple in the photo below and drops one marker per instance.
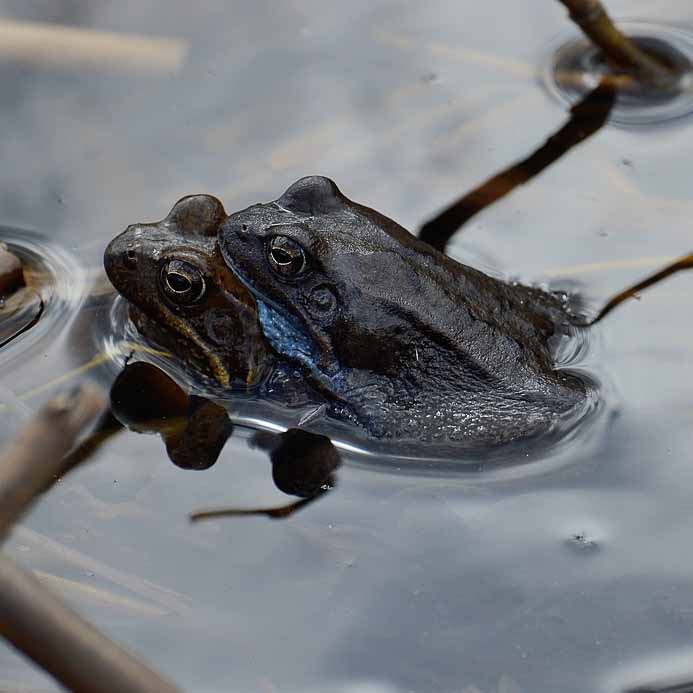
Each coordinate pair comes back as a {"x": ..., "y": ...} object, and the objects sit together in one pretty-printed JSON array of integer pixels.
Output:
[
  {"x": 575, "y": 66},
  {"x": 57, "y": 278}
]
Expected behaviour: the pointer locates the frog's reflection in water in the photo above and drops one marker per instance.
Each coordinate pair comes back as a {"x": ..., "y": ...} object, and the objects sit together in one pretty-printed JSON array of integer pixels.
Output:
[{"x": 194, "y": 431}]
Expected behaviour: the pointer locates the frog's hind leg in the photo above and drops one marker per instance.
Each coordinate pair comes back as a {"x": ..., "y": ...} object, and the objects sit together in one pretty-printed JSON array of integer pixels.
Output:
[
  {"x": 280, "y": 512},
  {"x": 683, "y": 263},
  {"x": 586, "y": 118}
]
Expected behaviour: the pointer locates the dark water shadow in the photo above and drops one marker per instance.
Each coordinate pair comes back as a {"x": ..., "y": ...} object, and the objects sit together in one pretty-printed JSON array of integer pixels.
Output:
[{"x": 194, "y": 431}]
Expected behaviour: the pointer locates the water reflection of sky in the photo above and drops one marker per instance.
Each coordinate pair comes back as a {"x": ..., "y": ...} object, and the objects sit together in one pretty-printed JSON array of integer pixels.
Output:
[{"x": 392, "y": 583}]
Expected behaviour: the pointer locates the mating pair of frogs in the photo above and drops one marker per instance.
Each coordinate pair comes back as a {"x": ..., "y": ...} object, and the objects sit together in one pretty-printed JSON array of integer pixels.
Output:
[{"x": 313, "y": 298}]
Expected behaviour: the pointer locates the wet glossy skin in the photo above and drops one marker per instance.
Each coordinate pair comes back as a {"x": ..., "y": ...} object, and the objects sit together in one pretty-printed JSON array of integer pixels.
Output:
[
  {"x": 183, "y": 296},
  {"x": 400, "y": 341}
]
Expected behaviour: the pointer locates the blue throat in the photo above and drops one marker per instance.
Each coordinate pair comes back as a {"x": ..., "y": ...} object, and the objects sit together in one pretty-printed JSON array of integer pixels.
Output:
[{"x": 286, "y": 337}]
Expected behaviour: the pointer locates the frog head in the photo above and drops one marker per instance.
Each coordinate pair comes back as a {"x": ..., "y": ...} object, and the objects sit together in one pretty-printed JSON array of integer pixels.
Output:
[{"x": 182, "y": 294}]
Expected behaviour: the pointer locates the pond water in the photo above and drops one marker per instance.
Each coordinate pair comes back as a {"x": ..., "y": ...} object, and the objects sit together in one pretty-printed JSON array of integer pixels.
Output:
[{"x": 571, "y": 574}]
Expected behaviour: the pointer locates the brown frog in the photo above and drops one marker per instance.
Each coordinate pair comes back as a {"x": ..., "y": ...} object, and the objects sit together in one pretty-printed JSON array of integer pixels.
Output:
[{"x": 182, "y": 295}]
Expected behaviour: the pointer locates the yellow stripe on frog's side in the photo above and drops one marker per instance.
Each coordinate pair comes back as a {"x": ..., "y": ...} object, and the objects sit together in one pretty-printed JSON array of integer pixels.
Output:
[{"x": 220, "y": 371}]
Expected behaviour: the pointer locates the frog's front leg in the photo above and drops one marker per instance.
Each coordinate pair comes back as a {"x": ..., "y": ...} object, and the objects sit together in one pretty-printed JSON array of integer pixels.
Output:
[
  {"x": 194, "y": 429},
  {"x": 280, "y": 512}
]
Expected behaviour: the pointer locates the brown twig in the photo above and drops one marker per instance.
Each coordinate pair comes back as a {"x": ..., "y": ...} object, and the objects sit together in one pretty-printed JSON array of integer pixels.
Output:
[
  {"x": 34, "y": 620},
  {"x": 586, "y": 118},
  {"x": 683, "y": 263},
  {"x": 278, "y": 513},
  {"x": 619, "y": 50},
  {"x": 38, "y": 624},
  {"x": 35, "y": 457}
]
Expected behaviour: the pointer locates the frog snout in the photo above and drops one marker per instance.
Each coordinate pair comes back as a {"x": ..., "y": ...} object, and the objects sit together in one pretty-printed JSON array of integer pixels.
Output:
[
  {"x": 122, "y": 253},
  {"x": 238, "y": 227}
]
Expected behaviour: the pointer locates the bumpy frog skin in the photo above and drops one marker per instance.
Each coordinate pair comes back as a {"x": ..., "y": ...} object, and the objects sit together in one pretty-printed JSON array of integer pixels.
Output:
[
  {"x": 403, "y": 341},
  {"x": 398, "y": 341},
  {"x": 183, "y": 296}
]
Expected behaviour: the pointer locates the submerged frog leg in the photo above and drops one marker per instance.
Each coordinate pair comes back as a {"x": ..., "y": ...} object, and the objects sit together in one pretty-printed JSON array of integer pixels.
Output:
[
  {"x": 683, "y": 263},
  {"x": 586, "y": 118},
  {"x": 279, "y": 513}
]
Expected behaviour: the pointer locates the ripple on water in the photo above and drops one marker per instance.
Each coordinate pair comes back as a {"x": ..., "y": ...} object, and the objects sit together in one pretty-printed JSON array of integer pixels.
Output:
[
  {"x": 58, "y": 279},
  {"x": 574, "y": 67}
]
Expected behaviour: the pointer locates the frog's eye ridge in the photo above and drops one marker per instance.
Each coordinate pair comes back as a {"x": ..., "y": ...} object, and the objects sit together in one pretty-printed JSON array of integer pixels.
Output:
[
  {"x": 285, "y": 256},
  {"x": 182, "y": 282}
]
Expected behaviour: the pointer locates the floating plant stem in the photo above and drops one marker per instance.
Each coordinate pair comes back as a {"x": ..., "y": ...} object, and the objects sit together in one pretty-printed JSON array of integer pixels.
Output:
[
  {"x": 620, "y": 51},
  {"x": 277, "y": 513},
  {"x": 683, "y": 263}
]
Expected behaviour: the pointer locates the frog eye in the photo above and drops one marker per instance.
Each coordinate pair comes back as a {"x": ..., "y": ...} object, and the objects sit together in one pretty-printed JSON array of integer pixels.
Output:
[
  {"x": 182, "y": 282},
  {"x": 285, "y": 256}
]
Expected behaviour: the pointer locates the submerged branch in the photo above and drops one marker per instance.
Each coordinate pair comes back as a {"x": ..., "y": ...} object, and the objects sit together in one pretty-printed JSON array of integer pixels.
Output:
[
  {"x": 39, "y": 625},
  {"x": 34, "y": 459},
  {"x": 32, "y": 618}
]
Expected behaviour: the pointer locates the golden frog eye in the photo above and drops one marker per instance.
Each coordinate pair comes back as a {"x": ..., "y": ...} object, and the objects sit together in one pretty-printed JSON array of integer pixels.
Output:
[
  {"x": 285, "y": 256},
  {"x": 182, "y": 282}
]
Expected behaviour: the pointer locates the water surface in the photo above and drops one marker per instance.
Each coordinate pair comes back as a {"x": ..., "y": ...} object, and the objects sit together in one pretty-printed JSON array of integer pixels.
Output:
[{"x": 575, "y": 576}]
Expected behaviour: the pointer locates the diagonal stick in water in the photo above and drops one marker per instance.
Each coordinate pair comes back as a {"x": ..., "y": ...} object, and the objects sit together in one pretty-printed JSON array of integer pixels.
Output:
[
  {"x": 683, "y": 263},
  {"x": 586, "y": 118},
  {"x": 73, "y": 651},
  {"x": 32, "y": 619},
  {"x": 33, "y": 459},
  {"x": 278, "y": 513}
]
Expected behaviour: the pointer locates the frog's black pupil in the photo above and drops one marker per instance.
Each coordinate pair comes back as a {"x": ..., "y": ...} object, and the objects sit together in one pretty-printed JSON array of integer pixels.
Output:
[
  {"x": 281, "y": 257},
  {"x": 179, "y": 282},
  {"x": 285, "y": 256},
  {"x": 182, "y": 282}
]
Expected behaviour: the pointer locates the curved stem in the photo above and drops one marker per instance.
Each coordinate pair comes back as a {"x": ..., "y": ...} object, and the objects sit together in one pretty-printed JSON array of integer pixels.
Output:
[
  {"x": 683, "y": 263},
  {"x": 586, "y": 118}
]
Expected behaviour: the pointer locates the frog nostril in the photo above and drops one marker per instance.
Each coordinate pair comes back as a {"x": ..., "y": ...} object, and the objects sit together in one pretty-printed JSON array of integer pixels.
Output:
[
  {"x": 130, "y": 257},
  {"x": 243, "y": 233}
]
